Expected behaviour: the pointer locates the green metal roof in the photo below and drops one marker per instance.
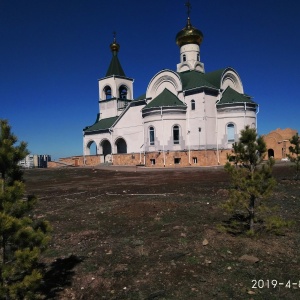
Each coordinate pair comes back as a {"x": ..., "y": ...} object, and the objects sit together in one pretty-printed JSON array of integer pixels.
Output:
[
  {"x": 101, "y": 124},
  {"x": 231, "y": 96},
  {"x": 215, "y": 77},
  {"x": 115, "y": 67},
  {"x": 165, "y": 98},
  {"x": 194, "y": 79}
]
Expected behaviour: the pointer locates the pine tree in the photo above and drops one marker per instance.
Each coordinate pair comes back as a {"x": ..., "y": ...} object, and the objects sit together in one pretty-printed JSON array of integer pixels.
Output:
[
  {"x": 251, "y": 179},
  {"x": 22, "y": 239},
  {"x": 294, "y": 154}
]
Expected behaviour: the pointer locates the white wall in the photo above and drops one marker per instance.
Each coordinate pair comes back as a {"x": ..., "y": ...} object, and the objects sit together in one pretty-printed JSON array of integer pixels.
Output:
[
  {"x": 164, "y": 79},
  {"x": 163, "y": 124},
  {"x": 239, "y": 117},
  {"x": 191, "y": 51},
  {"x": 204, "y": 117},
  {"x": 130, "y": 128}
]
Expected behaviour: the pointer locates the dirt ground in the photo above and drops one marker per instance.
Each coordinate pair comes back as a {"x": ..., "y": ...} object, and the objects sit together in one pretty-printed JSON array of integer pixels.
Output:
[{"x": 137, "y": 233}]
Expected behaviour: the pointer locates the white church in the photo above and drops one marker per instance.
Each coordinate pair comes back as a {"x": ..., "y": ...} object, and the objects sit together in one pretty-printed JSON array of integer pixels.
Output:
[{"x": 186, "y": 117}]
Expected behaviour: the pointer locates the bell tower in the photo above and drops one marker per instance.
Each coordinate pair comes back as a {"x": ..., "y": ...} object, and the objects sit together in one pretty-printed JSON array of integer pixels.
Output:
[{"x": 115, "y": 89}]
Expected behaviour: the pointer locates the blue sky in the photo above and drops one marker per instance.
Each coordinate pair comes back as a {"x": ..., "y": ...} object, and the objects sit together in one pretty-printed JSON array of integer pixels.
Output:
[{"x": 53, "y": 52}]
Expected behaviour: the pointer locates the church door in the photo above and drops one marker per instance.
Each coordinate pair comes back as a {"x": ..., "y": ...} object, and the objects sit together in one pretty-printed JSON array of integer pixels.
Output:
[
  {"x": 270, "y": 153},
  {"x": 106, "y": 148}
]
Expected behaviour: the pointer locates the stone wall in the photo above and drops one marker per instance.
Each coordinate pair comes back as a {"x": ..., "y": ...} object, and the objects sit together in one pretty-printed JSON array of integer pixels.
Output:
[
  {"x": 76, "y": 161},
  {"x": 127, "y": 159},
  {"x": 173, "y": 158},
  {"x": 151, "y": 159},
  {"x": 186, "y": 158}
]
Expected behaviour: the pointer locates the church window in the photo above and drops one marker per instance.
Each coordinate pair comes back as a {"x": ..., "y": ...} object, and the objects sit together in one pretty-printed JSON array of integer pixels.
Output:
[
  {"x": 151, "y": 135},
  {"x": 123, "y": 92},
  {"x": 176, "y": 134},
  {"x": 183, "y": 57},
  {"x": 198, "y": 57},
  {"x": 121, "y": 146},
  {"x": 107, "y": 91},
  {"x": 230, "y": 133},
  {"x": 193, "y": 105}
]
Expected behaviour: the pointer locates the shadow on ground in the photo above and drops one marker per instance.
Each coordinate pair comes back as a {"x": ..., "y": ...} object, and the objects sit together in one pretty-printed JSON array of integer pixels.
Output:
[{"x": 59, "y": 275}]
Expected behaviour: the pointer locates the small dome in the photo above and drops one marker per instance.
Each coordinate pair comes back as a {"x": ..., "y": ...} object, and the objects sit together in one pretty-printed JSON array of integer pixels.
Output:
[
  {"x": 114, "y": 46},
  {"x": 189, "y": 35}
]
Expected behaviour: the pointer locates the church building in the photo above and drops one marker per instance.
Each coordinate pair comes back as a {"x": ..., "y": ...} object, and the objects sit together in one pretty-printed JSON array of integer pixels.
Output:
[{"x": 186, "y": 117}]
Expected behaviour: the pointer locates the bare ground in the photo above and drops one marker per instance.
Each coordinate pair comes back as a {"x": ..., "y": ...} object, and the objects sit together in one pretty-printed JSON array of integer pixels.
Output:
[{"x": 135, "y": 233}]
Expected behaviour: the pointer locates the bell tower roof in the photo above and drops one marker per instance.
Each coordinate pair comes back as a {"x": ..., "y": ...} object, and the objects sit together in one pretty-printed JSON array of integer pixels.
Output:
[{"x": 115, "y": 67}]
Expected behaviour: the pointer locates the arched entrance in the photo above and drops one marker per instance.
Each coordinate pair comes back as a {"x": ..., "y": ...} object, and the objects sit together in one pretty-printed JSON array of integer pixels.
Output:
[
  {"x": 270, "y": 153},
  {"x": 121, "y": 145},
  {"x": 91, "y": 148},
  {"x": 106, "y": 148}
]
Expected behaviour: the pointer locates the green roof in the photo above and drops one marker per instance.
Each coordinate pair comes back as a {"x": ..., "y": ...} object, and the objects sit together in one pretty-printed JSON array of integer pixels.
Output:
[
  {"x": 101, "y": 124},
  {"x": 115, "y": 67},
  {"x": 215, "y": 77},
  {"x": 231, "y": 96},
  {"x": 165, "y": 98},
  {"x": 194, "y": 79}
]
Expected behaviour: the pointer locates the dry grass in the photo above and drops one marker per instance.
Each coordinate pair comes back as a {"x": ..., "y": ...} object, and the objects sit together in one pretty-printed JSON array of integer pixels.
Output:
[{"x": 139, "y": 235}]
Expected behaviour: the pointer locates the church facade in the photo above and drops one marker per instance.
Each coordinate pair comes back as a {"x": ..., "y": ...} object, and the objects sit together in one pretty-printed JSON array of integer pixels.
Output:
[{"x": 186, "y": 117}]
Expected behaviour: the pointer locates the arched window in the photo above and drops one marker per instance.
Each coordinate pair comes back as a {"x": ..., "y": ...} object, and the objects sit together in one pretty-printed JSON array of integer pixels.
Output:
[
  {"x": 107, "y": 91},
  {"x": 193, "y": 105},
  {"x": 183, "y": 57},
  {"x": 121, "y": 146},
  {"x": 151, "y": 135},
  {"x": 198, "y": 57},
  {"x": 123, "y": 92},
  {"x": 176, "y": 134},
  {"x": 230, "y": 133}
]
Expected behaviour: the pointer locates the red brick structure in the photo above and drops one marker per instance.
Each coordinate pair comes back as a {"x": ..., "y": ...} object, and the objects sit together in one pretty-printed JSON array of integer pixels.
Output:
[{"x": 278, "y": 142}]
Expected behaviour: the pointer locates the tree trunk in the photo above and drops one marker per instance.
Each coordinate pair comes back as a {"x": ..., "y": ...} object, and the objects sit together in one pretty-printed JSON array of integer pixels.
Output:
[
  {"x": 251, "y": 213},
  {"x": 2, "y": 262},
  {"x": 2, "y": 180}
]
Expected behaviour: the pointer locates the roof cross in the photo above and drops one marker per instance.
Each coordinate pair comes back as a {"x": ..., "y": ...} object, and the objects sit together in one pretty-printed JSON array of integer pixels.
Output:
[{"x": 189, "y": 6}]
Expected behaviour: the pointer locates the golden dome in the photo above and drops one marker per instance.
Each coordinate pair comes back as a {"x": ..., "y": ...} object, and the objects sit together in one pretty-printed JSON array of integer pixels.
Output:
[{"x": 189, "y": 35}]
